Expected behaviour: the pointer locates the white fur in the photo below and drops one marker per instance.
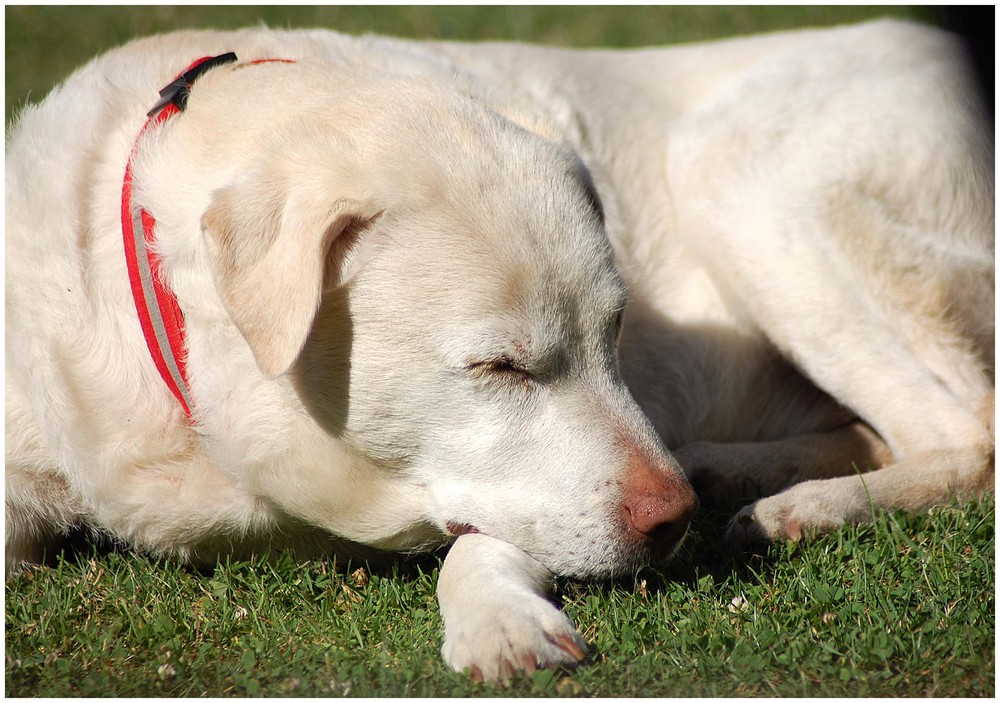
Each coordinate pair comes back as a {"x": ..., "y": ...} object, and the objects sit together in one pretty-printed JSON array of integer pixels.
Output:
[{"x": 363, "y": 242}]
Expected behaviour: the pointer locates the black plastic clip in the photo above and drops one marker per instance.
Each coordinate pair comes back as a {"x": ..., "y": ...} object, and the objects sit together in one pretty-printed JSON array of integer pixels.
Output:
[{"x": 177, "y": 92}]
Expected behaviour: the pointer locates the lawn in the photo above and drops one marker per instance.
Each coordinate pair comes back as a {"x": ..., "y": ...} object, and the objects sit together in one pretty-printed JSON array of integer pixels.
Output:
[{"x": 902, "y": 607}]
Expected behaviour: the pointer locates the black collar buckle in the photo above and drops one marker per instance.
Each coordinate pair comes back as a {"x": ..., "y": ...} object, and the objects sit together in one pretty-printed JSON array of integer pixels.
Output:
[{"x": 177, "y": 92}]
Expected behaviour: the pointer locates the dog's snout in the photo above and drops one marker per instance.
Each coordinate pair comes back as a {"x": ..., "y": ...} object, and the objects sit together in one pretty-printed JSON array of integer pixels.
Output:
[{"x": 657, "y": 505}]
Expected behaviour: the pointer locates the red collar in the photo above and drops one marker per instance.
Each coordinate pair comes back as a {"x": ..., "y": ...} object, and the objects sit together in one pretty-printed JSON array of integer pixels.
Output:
[{"x": 159, "y": 314}]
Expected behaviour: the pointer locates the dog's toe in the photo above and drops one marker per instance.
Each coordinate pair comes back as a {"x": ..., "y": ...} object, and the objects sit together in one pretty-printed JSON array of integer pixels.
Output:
[
  {"x": 746, "y": 531},
  {"x": 504, "y": 638}
]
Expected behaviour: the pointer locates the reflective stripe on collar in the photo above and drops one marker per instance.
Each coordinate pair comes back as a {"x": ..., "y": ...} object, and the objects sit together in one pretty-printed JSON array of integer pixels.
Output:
[{"x": 156, "y": 305}]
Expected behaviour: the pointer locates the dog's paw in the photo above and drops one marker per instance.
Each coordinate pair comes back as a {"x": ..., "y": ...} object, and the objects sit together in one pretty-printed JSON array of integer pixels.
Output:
[
  {"x": 497, "y": 620},
  {"x": 495, "y": 640},
  {"x": 808, "y": 509}
]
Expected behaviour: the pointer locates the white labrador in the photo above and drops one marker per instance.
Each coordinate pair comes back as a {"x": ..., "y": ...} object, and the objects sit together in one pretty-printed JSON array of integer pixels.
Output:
[{"x": 400, "y": 270}]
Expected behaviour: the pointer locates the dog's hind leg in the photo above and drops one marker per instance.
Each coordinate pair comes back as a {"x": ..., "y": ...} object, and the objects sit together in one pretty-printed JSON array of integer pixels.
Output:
[
  {"x": 923, "y": 481},
  {"x": 907, "y": 370},
  {"x": 947, "y": 452},
  {"x": 850, "y": 221},
  {"x": 726, "y": 474},
  {"x": 893, "y": 327}
]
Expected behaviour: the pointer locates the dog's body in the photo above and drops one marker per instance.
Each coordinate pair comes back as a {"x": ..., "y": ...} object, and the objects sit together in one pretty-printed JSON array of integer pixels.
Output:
[{"x": 401, "y": 304}]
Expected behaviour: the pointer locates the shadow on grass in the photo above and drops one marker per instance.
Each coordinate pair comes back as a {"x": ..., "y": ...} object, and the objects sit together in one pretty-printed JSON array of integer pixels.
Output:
[
  {"x": 83, "y": 544},
  {"x": 703, "y": 553}
]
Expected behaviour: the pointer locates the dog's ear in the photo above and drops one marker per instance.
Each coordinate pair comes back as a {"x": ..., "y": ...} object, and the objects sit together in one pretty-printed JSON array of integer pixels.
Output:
[{"x": 275, "y": 242}]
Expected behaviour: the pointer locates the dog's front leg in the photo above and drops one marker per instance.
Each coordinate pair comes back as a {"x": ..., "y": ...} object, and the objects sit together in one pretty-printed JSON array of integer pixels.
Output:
[{"x": 497, "y": 619}]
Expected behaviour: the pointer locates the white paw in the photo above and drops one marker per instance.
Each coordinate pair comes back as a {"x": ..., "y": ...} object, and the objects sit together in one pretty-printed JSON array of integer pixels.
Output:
[
  {"x": 810, "y": 508},
  {"x": 497, "y": 620},
  {"x": 493, "y": 640}
]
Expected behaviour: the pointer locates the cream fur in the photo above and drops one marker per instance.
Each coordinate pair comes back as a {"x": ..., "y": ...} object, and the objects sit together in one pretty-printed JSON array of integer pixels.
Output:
[{"x": 403, "y": 306}]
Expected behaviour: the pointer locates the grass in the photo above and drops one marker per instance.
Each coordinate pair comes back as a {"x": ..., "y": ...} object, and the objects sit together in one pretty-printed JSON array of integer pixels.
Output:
[{"x": 902, "y": 607}]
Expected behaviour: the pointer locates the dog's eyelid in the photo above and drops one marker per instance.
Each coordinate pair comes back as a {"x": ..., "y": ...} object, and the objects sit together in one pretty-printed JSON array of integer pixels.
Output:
[
  {"x": 502, "y": 362},
  {"x": 500, "y": 365}
]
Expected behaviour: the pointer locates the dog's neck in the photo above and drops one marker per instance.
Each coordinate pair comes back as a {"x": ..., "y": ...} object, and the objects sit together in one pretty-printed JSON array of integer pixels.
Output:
[{"x": 159, "y": 313}]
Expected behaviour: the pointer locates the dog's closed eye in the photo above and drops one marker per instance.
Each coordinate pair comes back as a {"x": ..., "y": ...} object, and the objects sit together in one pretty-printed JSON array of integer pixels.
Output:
[{"x": 503, "y": 368}]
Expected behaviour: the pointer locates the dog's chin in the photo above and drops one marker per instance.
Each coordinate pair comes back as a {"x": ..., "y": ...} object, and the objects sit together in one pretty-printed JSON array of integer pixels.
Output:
[
  {"x": 620, "y": 560},
  {"x": 617, "y": 561}
]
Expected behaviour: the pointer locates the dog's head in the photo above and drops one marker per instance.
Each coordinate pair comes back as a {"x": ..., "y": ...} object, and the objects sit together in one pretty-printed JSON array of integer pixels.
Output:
[{"x": 435, "y": 284}]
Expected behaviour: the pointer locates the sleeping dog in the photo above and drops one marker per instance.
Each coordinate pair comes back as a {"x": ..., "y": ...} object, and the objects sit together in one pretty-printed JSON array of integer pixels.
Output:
[{"x": 321, "y": 288}]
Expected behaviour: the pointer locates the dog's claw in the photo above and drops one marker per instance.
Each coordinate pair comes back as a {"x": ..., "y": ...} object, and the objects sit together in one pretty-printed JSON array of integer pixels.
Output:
[
  {"x": 506, "y": 671},
  {"x": 577, "y": 650}
]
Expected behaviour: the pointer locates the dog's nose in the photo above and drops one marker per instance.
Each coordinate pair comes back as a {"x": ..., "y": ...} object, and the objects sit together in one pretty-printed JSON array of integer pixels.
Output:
[{"x": 657, "y": 505}]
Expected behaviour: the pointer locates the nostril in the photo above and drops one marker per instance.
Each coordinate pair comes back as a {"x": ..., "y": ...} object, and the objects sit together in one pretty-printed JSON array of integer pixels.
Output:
[
  {"x": 662, "y": 518},
  {"x": 658, "y": 508},
  {"x": 667, "y": 535}
]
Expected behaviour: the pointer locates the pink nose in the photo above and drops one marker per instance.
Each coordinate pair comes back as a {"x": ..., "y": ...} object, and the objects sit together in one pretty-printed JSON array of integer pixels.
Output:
[{"x": 658, "y": 504}]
